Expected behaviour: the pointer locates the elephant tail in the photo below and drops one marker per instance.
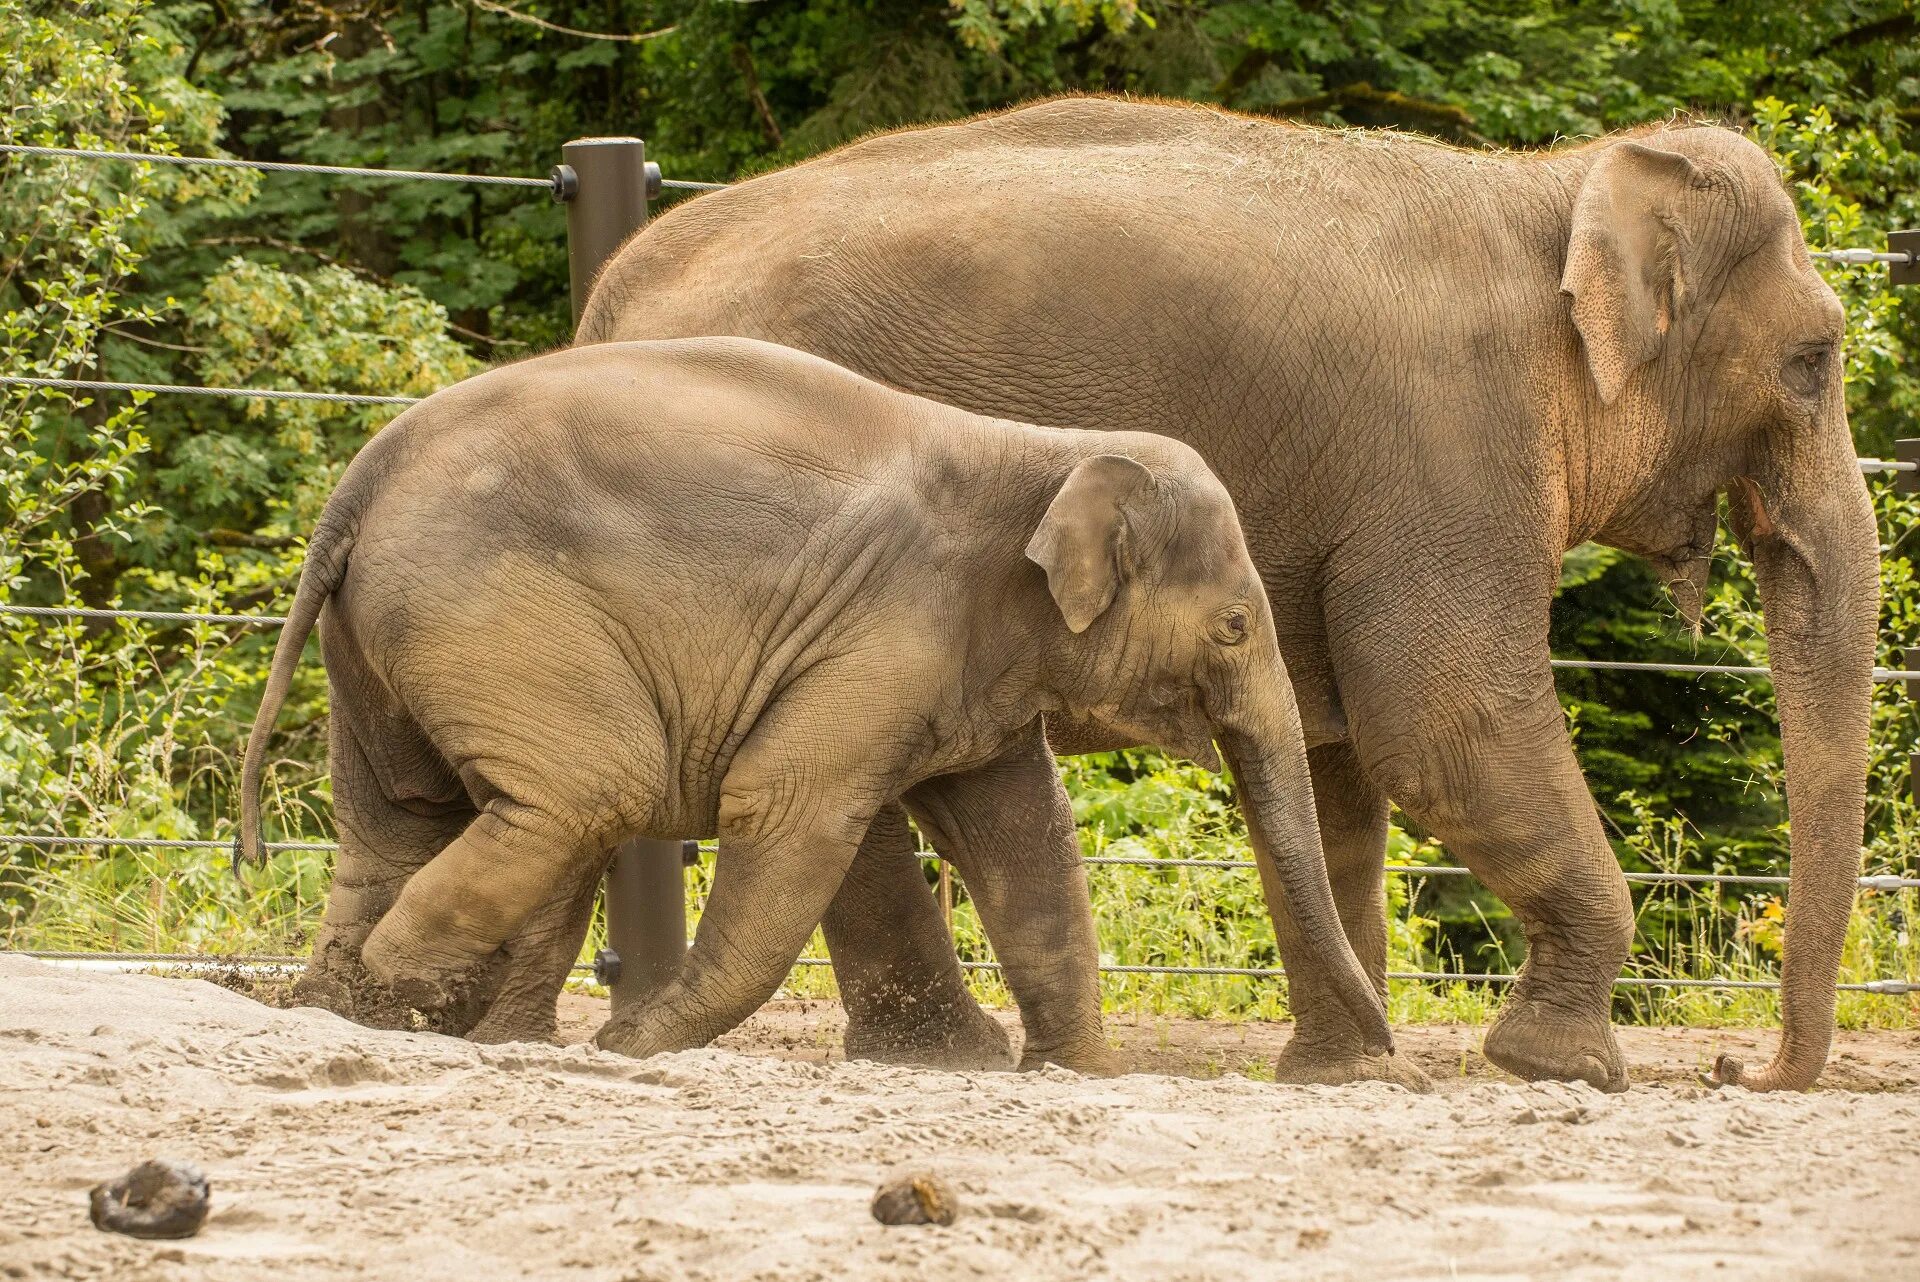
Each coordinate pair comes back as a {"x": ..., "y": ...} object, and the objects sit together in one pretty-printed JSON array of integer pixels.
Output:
[{"x": 327, "y": 554}]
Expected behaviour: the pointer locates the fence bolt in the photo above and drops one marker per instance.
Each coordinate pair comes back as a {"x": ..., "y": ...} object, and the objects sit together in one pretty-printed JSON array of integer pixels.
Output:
[
  {"x": 1891, "y": 987},
  {"x": 606, "y": 968},
  {"x": 1883, "y": 881},
  {"x": 605, "y": 183},
  {"x": 1908, "y": 243}
]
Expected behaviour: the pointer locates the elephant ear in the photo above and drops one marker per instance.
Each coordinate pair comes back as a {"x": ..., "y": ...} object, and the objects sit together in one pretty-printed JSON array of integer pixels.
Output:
[
  {"x": 1082, "y": 540},
  {"x": 1625, "y": 259}
]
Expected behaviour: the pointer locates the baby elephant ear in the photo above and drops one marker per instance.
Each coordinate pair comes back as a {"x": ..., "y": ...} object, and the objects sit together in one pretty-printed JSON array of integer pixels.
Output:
[{"x": 1082, "y": 540}]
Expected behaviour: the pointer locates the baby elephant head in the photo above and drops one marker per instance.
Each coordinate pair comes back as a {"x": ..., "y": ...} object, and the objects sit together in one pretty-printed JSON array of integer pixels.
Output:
[{"x": 1169, "y": 640}]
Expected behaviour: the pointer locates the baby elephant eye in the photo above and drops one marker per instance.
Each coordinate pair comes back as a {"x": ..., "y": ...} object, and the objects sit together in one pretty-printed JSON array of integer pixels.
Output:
[{"x": 1230, "y": 627}]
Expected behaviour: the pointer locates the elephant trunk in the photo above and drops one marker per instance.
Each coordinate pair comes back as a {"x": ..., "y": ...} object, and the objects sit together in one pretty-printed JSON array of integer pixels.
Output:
[
  {"x": 1267, "y": 753},
  {"x": 1814, "y": 543}
]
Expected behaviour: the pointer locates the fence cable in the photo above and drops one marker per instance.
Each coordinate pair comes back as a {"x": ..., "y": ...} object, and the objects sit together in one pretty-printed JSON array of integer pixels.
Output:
[
  {"x": 289, "y": 167},
  {"x": 1861, "y": 257},
  {"x": 1881, "y": 675},
  {"x": 207, "y": 961},
  {"x": 252, "y": 393},
  {"x": 1877, "y": 881},
  {"x": 150, "y": 616}
]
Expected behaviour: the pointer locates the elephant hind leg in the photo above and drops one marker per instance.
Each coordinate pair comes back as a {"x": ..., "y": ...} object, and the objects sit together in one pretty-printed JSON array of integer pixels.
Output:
[
  {"x": 441, "y": 944},
  {"x": 384, "y": 841},
  {"x": 893, "y": 959},
  {"x": 539, "y": 959}
]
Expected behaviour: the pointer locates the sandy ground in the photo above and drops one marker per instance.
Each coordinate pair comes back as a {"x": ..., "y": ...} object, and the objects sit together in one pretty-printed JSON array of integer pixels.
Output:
[{"x": 335, "y": 1151}]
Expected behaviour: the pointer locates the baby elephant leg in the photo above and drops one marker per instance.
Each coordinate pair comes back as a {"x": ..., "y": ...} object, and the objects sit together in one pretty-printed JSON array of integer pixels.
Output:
[
  {"x": 1008, "y": 828},
  {"x": 439, "y": 946},
  {"x": 383, "y": 842},
  {"x": 794, "y": 806},
  {"x": 539, "y": 958},
  {"x": 893, "y": 960},
  {"x": 768, "y": 894}
]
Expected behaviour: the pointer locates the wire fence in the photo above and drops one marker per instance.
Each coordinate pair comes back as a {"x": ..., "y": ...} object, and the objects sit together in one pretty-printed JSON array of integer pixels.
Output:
[
  {"x": 554, "y": 185},
  {"x": 1872, "y": 881},
  {"x": 253, "y": 964},
  {"x": 548, "y": 184},
  {"x": 103, "y": 614}
]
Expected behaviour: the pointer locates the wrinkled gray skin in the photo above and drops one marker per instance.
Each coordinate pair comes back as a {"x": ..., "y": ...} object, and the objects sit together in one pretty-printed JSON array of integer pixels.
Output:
[
  {"x": 1423, "y": 373},
  {"x": 717, "y": 587}
]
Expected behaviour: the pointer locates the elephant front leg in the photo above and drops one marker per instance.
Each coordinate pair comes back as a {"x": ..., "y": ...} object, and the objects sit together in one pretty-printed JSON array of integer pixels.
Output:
[
  {"x": 1444, "y": 676},
  {"x": 1327, "y": 1047},
  {"x": 1008, "y": 828},
  {"x": 794, "y": 807},
  {"x": 1510, "y": 803},
  {"x": 766, "y": 899},
  {"x": 893, "y": 959}
]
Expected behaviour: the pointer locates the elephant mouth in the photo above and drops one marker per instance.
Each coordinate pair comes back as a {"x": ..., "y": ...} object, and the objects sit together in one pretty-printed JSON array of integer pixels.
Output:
[{"x": 1685, "y": 574}]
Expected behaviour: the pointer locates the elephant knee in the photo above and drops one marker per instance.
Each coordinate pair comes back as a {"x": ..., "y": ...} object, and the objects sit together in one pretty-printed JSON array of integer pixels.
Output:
[{"x": 1417, "y": 781}]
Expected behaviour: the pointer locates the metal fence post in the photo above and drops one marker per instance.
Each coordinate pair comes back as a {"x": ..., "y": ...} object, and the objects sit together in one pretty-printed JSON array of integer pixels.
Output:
[
  {"x": 1908, "y": 243},
  {"x": 605, "y": 184}
]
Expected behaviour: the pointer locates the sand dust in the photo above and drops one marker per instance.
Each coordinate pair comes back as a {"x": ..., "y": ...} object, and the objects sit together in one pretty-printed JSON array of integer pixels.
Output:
[{"x": 339, "y": 1152}]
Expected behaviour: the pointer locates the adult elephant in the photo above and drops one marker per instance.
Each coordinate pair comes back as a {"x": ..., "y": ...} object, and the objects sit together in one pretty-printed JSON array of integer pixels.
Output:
[{"x": 1423, "y": 373}]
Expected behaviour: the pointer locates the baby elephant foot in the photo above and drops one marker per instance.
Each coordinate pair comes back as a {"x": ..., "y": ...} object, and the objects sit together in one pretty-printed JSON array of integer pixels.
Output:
[
  {"x": 1539, "y": 1042},
  {"x": 1304, "y": 1063},
  {"x": 955, "y": 1036},
  {"x": 633, "y": 1033},
  {"x": 510, "y": 1021},
  {"x": 1089, "y": 1055},
  {"x": 452, "y": 993},
  {"x": 337, "y": 980}
]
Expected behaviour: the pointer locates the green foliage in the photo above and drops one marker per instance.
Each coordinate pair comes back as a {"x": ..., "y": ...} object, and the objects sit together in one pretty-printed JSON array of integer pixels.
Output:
[{"x": 222, "y": 277}]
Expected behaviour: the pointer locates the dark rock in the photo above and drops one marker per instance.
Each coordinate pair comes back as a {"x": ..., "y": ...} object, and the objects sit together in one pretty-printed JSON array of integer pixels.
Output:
[
  {"x": 915, "y": 1199},
  {"x": 153, "y": 1200}
]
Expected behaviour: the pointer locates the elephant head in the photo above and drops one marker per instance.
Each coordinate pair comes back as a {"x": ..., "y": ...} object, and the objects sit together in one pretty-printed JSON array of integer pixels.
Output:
[
  {"x": 1170, "y": 641},
  {"x": 1713, "y": 365}
]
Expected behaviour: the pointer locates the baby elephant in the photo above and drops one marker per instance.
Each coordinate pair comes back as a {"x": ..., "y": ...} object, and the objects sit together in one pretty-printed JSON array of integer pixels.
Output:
[{"x": 717, "y": 587}]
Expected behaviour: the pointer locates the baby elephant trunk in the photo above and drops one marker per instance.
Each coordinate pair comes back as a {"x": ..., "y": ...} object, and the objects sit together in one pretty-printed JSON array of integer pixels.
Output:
[{"x": 1276, "y": 795}]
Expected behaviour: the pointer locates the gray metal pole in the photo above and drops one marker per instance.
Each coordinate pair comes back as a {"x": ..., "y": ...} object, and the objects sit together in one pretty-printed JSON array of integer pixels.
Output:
[{"x": 605, "y": 184}]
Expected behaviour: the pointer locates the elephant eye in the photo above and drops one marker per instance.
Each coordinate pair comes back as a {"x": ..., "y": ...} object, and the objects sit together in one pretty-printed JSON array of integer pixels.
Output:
[
  {"x": 1806, "y": 371},
  {"x": 1230, "y": 627}
]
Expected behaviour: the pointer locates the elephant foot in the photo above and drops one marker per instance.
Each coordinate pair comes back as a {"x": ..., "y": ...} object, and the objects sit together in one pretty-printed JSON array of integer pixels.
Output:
[
  {"x": 953, "y": 1036},
  {"x": 337, "y": 980},
  {"x": 1305, "y": 1063},
  {"x": 631, "y": 1033},
  {"x": 1538, "y": 1042},
  {"x": 504, "y": 1023},
  {"x": 1088, "y": 1053},
  {"x": 448, "y": 993},
  {"x": 1105, "y": 1062}
]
